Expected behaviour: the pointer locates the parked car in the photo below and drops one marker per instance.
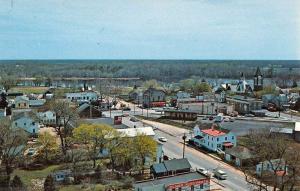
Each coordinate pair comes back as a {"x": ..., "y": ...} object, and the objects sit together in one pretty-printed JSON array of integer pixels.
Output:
[
  {"x": 249, "y": 115},
  {"x": 231, "y": 119},
  {"x": 204, "y": 118},
  {"x": 226, "y": 119},
  {"x": 220, "y": 174},
  {"x": 211, "y": 117},
  {"x": 162, "y": 139},
  {"x": 203, "y": 171}
]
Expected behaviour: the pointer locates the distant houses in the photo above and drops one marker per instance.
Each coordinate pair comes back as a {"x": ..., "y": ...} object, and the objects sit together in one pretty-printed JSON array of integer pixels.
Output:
[
  {"x": 149, "y": 98},
  {"x": 86, "y": 96}
]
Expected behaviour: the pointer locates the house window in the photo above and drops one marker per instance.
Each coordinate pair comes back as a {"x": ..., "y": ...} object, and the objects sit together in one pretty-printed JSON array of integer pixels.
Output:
[
  {"x": 201, "y": 186},
  {"x": 192, "y": 188},
  {"x": 16, "y": 123},
  {"x": 217, "y": 139},
  {"x": 232, "y": 137},
  {"x": 33, "y": 123},
  {"x": 207, "y": 143},
  {"x": 33, "y": 130},
  {"x": 225, "y": 138},
  {"x": 212, "y": 138},
  {"x": 24, "y": 124}
]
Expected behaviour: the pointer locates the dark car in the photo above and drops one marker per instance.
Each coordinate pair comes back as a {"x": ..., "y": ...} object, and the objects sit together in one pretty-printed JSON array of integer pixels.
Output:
[{"x": 211, "y": 117}]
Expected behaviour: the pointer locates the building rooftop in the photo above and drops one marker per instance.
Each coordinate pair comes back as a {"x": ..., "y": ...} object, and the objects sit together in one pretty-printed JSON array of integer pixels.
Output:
[
  {"x": 133, "y": 132},
  {"x": 166, "y": 181},
  {"x": 213, "y": 132},
  {"x": 239, "y": 152}
]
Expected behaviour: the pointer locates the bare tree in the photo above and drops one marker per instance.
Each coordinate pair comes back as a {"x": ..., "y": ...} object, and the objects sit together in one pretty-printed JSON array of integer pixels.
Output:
[
  {"x": 66, "y": 119},
  {"x": 280, "y": 158},
  {"x": 12, "y": 144}
]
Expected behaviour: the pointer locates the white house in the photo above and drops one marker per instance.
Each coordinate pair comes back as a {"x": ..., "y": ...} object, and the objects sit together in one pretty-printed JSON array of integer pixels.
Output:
[
  {"x": 214, "y": 139},
  {"x": 47, "y": 117},
  {"x": 82, "y": 96},
  {"x": 22, "y": 102},
  {"x": 182, "y": 95},
  {"x": 276, "y": 165},
  {"x": 26, "y": 122}
]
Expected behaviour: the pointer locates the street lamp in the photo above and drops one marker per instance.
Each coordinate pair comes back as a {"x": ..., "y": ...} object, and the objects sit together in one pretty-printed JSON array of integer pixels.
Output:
[{"x": 183, "y": 138}]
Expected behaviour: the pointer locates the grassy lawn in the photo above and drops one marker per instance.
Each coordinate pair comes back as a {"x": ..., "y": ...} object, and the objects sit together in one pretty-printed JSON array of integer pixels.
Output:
[
  {"x": 95, "y": 187},
  {"x": 29, "y": 89},
  {"x": 28, "y": 175}
]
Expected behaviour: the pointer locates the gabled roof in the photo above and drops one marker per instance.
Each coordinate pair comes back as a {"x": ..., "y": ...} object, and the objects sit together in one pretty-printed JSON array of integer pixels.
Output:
[
  {"x": 177, "y": 164},
  {"x": 213, "y": 132},
  {"x": 159, "y": 168},
  {"x": 239, "y": 152},
  {"x": 83, "y": 107},
  {"x": 257, "y": 73}
]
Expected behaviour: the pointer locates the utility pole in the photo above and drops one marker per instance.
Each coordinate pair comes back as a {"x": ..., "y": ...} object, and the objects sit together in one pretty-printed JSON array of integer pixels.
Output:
[{"x": 183, "y": 138}]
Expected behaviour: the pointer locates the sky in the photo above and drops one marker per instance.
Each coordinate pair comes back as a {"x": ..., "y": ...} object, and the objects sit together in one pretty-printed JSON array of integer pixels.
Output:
[{"x": 150, "y": 29}]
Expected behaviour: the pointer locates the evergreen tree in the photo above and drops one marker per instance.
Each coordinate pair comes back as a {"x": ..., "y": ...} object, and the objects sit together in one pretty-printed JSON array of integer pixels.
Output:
[
  {"x": 49, "y": 184},
  {"x": 17, "y": 184}
]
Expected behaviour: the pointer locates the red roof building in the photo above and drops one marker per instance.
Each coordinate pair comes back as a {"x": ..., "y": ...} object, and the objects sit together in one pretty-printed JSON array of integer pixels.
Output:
[{"x": 213, "y": 132}]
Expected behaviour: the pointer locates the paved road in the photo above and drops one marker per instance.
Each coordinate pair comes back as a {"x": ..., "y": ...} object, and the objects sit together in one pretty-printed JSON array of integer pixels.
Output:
[{"x": 173, "y": 148}]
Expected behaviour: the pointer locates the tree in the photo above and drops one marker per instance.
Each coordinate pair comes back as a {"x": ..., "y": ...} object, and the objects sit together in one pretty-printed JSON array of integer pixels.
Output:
[
  {"x": 294, "y": 84},
  {"x": 201, "y": 87},
  {"x": 49, "y": 184},
  {"x": 187, "y": 85},
  {"x": 144, "y": 147},
  {"x": 66, "y": 119},
  {"x": 17, "y": 184},
  {"x": 279, "y": 154},
  {"x": 48, "y": 145},
  {"x": 12, "y": 144},
  {"x": 151, "y": 84},
  {"x": 95, "y": 137},
  {"x": 8, "y": 82}
]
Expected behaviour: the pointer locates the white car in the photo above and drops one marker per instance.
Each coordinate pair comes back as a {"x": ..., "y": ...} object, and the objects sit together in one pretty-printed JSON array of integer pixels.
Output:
[
  {"x": 203, "y": 171},
  {"x": 226, "y": 119},
  {"x": 221, "y": 175},
  {"x": 162, "y": 139}
]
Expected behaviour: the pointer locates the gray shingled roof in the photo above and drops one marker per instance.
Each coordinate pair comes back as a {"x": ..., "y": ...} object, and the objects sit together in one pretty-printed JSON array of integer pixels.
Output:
[{"x": 177, "y": 164}]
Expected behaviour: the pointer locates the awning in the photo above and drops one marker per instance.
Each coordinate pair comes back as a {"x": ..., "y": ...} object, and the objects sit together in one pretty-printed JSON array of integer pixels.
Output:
[
  {"x": 198, "y": 137},
  {"x": 227, "y": 144}
]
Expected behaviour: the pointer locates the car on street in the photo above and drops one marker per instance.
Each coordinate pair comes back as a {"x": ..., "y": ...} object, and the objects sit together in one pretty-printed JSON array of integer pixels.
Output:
[
  {"x": 220, "y": 174},
  {"x": 211, "y": 117},
  {"x": 162, "y": 139},
  {"x": 226, "y": 119},
  {"x": 204, "y": 118},
  {"x": 203, "y": 171},
  {"x": 231, "y": 119}
]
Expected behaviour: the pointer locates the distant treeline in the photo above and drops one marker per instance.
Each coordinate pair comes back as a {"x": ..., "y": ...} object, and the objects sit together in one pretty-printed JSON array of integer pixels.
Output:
[{"x": 162, "y": 70}]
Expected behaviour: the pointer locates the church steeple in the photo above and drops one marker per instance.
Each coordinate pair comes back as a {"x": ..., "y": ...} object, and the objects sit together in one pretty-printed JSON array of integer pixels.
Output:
[{"x": 258, "y": 80}]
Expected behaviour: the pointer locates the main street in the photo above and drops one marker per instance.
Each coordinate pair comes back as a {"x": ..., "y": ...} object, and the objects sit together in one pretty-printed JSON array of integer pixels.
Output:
[{"x": 174, "y": 149}]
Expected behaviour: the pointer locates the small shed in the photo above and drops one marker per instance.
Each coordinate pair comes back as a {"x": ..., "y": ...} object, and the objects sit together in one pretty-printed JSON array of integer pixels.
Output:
[
  {"x": 62, "y": 175},
  {"x": 239, "y": 155}
]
